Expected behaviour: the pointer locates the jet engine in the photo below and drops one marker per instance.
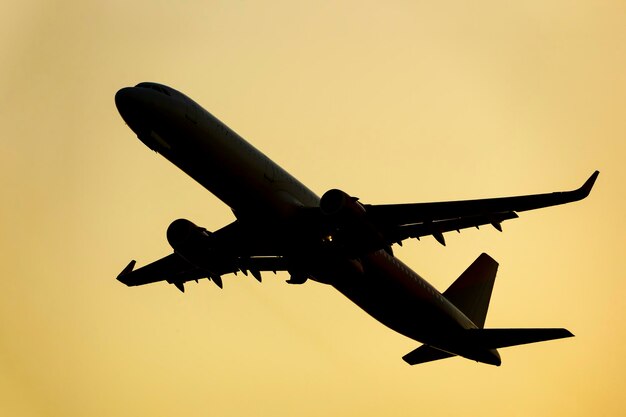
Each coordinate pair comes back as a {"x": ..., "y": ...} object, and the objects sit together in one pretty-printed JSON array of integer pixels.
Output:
[
  {"x": 196, "y": 245},
  {"x": 337, "y": 203},
  {"x": 348, "y": 226}
]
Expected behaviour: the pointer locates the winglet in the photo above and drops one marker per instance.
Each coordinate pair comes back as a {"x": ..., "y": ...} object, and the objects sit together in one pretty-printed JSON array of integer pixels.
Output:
[
  {"x": 588, "y": 185},
  {"x": 129, "y": 268}
]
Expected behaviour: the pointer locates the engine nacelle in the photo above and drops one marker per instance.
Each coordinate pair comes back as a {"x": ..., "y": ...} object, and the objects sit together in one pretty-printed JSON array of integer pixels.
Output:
[
  {"x": 195, "y": 244},
  {"x": 182, "y": 234},
  {"x": 336, "y": 203},
  {"x": 348, "y": 227}
]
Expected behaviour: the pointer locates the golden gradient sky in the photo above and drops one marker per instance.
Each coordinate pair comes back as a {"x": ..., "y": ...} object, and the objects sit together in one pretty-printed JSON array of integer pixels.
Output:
[{"x": 412, "y": 101}]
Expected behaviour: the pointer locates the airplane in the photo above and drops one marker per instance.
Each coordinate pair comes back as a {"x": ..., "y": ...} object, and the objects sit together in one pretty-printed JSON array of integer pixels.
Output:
[{"x": 281, "y": 225}]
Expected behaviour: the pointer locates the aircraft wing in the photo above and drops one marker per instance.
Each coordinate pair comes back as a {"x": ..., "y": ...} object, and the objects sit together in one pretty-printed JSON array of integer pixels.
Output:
[
  {"x": 171, "y": 268},
  {"x": 401, "y": 221},
  {"x": 174, "y": 269}
]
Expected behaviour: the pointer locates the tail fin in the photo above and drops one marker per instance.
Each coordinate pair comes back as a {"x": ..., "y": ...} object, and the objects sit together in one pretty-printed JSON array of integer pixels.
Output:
[{"x": 471, "y": 292}]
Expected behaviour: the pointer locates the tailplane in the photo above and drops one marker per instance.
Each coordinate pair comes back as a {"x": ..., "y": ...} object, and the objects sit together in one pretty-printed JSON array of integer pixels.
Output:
[
  {"x": 500, "y": 338},
  {"x": 471, "y": 292},
  {"x": 481, "y": 344},
  {"x": 425, "y": 353}
]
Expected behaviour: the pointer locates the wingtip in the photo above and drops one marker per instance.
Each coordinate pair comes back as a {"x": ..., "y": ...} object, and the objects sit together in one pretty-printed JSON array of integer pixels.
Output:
[
  {"x": 561, "y": 333},
  {"x": 588, "y": 185},
  {"x": 122, "y": 275},
  {"x": 486, "y": 257},
  {"x": 585, "y": 189}
]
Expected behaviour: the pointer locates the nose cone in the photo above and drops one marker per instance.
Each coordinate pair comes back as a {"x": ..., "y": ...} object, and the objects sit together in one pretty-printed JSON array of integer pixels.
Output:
[
  {"x": 122, "y": 98},
  {"x": 127, "y": 104},
  {"x": 133, "y": 107}
]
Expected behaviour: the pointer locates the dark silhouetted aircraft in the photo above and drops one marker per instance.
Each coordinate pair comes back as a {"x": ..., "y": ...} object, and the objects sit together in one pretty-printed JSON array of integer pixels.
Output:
[{"x": 281, "y": 225}]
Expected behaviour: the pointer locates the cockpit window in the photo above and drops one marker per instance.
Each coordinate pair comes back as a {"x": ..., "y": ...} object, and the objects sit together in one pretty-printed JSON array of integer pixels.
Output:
[{"x": 155, "y": 87}]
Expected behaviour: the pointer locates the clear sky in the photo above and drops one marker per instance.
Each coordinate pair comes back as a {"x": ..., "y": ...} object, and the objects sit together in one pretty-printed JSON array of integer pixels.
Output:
[{"x": 406, "y": 102}]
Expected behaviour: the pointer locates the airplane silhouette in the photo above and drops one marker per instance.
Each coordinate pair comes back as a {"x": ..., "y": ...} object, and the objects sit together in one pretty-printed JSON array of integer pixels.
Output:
[{"x": 281, "y": 225}]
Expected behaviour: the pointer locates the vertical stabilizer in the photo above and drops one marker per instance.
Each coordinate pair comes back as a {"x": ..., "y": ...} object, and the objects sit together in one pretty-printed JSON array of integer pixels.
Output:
[{"x": 471, "y": 292}]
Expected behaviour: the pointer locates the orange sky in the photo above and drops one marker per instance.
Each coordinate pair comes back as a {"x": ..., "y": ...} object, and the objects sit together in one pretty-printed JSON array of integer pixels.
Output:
[{"x": 418, "y": 101}]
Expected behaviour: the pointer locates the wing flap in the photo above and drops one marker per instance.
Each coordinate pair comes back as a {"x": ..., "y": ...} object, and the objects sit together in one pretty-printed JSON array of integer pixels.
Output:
[{"x": 442, "y": 226}]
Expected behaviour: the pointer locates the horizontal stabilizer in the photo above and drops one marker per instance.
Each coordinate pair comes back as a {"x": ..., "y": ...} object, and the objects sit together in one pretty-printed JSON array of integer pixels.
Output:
[
  {"x": 425, "y": 353},
  {"x": 499, "y": 338}
]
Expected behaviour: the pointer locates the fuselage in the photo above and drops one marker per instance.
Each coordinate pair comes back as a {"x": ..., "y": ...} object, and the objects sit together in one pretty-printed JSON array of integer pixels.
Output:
[{"x": 268, "y": 199}]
